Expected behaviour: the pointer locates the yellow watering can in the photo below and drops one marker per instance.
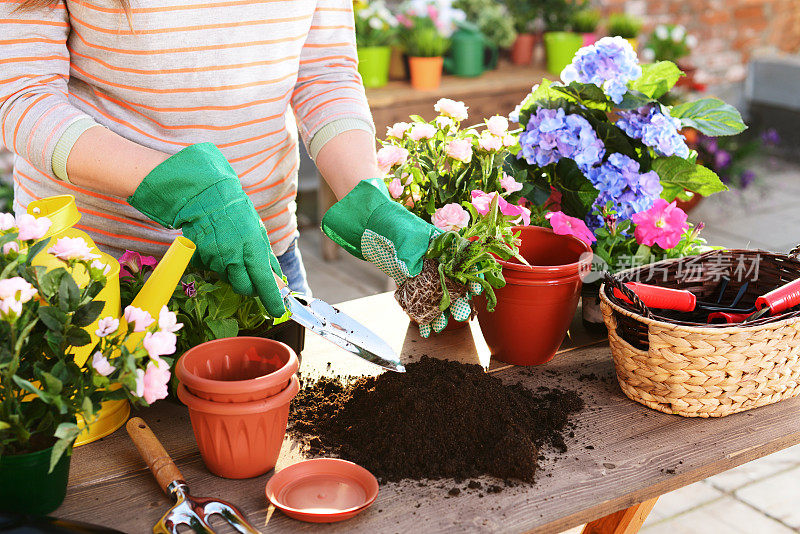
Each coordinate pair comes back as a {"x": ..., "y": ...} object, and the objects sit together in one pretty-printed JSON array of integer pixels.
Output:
[{"x": 63, "y": 213}]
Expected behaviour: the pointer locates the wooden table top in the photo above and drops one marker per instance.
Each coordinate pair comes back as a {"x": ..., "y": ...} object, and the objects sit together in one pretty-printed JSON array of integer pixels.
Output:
[{"x": 638, "y": 453}]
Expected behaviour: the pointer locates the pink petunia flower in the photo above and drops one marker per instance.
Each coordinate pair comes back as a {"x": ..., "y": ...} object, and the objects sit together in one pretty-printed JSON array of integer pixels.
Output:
[
  {"x": 389, "y": 156},
  {"x": 101, "y": 365},
  {"x": 565, "y": 225},
  {"x": 422, "y": 131},
  {"x": 450, "y": 217},
  {"x": 32, "y": 228},
  {"x": 497, "y": 125},
  {"x": 509, "y": 184},
  {"x": 140, "y": 319},
  {"x": 168, "y": 321},
  {"x": 459, "y": 149},
  {"x": 483, "y": 202},
  {"x": 132, "y": 262},
  {"x": 451, "y": 108},
  {"x": 72, "y": 248},
  {"x": 107, "y": 326},
  {"x": 397, "y": 130},
  {"x": 662, "y": 225}
]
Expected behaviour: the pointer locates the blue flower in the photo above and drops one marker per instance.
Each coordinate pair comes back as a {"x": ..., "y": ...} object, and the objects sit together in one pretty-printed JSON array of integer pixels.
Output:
[
  {"x": 655, "y": 130},
  {"x": 618, "y": 180},
  {"x": 551, "y": 134},
  {"x": 610, "y": 64}
]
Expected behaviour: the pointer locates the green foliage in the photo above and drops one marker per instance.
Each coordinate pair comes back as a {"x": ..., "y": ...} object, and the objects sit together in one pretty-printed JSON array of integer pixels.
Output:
[
  {"x": 669, "y": 42},
  {"x": 559, "y": 14},
  {"x": 657, "y": 79},
  {"x": 678, "y": 174},
  {"x": 492, "y": 18},
  {"x": 423, "y": 39},
  {"x": 710, "y": 116},
  {"x": 586, "y": 20},
  {"x": 525, "y": 13},
  {"x": 623, "y": 25},
  {"x": 375, "y": 25}
]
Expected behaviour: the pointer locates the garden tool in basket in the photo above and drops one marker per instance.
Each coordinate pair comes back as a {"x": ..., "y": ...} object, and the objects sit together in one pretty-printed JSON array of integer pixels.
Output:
[{"x": 188, "y": 512}]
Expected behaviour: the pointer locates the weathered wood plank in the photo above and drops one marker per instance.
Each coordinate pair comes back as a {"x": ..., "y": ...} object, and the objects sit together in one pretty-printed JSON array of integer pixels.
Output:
[{"x": 637, "y": 454}]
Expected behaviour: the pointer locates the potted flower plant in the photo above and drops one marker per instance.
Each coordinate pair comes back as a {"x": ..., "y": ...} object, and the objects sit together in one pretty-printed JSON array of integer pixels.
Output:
[
  {"x": 426, "y": 27},
  {"x": 600, "y": 151},
  {"x": 43, "y": 318},
  {"x": 585, "y": 22},
  {"x": 524, "y": 15},
  {"x": 626, "y": 26},
  {"x": 376, "y": 31},
  {"x": 670, "y": 42},
  {"x": 560, "y": 41}
]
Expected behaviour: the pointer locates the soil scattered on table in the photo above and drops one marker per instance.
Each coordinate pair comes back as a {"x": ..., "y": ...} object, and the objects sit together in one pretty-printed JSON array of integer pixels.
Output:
[{"x": 440, "y": 419}]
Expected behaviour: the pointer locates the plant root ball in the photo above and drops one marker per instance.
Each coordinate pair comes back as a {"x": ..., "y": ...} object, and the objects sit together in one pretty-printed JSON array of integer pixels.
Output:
[{"x": 420, "y": 296}]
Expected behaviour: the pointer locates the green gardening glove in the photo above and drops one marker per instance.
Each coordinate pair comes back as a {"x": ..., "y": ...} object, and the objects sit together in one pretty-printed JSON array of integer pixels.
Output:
[
  {"x": 198, "y": 191},
  {"x": 368, "y": 224}
]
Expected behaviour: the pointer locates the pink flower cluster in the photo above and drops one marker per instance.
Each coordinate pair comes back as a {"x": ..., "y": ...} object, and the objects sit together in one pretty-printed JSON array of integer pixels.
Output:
[
  {"x": 391, "y": 156},
  {"x": 565, "y": 225},
  {"x": 482, "y": 202},
  {"x": 452, "y": 109},
  {"x": 28, "y": 227},
  {"x": 496, "y": 135},
  {"x": 662, "y": 225},
  {"x": 72, "y": 249},
  {"x": 14, "y": 292},
  {"x": 450, "y": 217}
]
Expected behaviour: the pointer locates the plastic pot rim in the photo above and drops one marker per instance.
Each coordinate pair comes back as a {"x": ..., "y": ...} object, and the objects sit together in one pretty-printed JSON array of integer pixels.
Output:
[
  {"x": 251, "y": 385},
  {"x": 577, "y": 266},
  {"x": 195, "y": 403}
]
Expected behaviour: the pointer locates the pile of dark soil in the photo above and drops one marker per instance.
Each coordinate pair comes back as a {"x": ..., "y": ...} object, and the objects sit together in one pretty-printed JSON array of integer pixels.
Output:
[{"x": 439, "y": 419}]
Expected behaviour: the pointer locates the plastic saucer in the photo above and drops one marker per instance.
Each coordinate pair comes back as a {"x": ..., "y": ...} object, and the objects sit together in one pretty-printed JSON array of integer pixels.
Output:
[{"x": 322, "y": 490}]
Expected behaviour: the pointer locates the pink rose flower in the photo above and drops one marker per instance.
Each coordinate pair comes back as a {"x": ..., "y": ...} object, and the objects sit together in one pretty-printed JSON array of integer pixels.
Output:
[
  {"x": 152, "y": 383},
  {"x": 412, "y": 199},
  {"x": 459, "y": 149},
  {"x": 451, "y": 108},
  {"x": 140, "y": 319},
  {"x": 395, "y": 188},
  {"x": 497, "y": 125},
  {"x": 444, "y": 122},
  {"x": 490, "y": 143},
  {"x": 9, "y": 247},
  {"x": 397, "y": 130},
  {"x": 159, "y": 343},
  {"x": 31, "y": 228},
  {"x": 509, "y": 140},
  {"x": 6, "y": 221},
  {"x": 132, "y": 262},
  {"x": 389, "y": 156},
  {"x": 509, "y": 184},
  {"x": 16, "y": 288},
  {"x": 565, "y": 225},
  {"x": 101, "y": 365},
  {"x": 168, "y": 321},
  {"x": 483, "y": 201},
  {"x": 106, "y": 326},
  {"x": 662, "y": 225},
  {"x": 422, "y": 131},
  {"x": 97, "y": 264},
  {"x": 450, "y": 217},
  {"x": 10, "y": 309},
  {"x": 72, "y": 248}
]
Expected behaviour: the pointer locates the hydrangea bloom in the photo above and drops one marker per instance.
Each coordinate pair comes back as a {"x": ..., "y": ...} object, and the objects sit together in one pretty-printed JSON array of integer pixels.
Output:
[
  {"x": 610, "y": 64},
  {"x": 551, "y": 135},
  {"x": 620, "y": 182},
  {"x": 662, "y": 225},
  {"x": 655, "y": 130}
]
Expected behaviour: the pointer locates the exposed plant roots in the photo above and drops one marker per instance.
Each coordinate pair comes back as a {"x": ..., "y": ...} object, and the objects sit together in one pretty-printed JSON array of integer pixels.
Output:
[{"x": 420, "y": 296}]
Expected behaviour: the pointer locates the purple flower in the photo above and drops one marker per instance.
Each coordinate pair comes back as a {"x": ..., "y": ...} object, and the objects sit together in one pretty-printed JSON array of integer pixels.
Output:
[
  {"x": 610, "y": 64},
  {"x": 655, "y": 129},
  {"x": 551, "y": 135},
  {"x": 722, "y": 159},
  {"x": 771, "y": 137},
  {"x": 748, "y": 177},
  {"x": 618, "y": 180},
  {"x": 189, "y": 289}
]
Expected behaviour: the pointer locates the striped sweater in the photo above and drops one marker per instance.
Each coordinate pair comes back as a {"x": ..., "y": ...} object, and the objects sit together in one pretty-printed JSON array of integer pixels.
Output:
[{"x": 245, "y": 75}]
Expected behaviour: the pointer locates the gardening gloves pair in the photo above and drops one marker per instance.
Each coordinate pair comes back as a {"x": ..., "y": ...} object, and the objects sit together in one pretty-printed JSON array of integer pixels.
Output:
[
  {"x": 371, "y": 226},
  {"x": 198, "y": 191}
]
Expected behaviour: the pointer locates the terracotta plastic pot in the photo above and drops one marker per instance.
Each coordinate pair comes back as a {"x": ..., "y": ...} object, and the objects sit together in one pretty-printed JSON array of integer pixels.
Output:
[
  {"x": 537, "y": 304},
  {"x": 26, "y": 487},
  {"x": 237, "y": 369},
  {"x": 522, "y": 49},
  {"x": 426, "y": 72},
  {"x": 240, "y": 439}
]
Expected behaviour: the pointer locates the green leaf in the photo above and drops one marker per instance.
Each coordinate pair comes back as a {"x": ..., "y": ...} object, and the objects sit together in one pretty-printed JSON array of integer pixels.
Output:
[
  {"x": 711, "y": 116},
  {"x": 634, "y": 100},
  {"x": 577, "y": 192},
  {"x": 677, "y": 173},
  {"x": 657, "y": 79},
  {"x": 77, "y": 337},
  {"x": 223, "y": 327},
  {"x": 49, "y": 282},
  {"x": 68, "y": 294},
  {"x": 86, "y": 315},
  {"x": 36, "y": 249},
  {"x": 51, "y": 383},
  {"x": 4, "y": 425},
  {"x": 52, "y": 317}
]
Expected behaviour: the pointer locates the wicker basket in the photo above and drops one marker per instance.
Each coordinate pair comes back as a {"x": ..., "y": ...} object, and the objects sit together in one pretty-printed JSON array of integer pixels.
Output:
[{"x": 693, "y": 369}]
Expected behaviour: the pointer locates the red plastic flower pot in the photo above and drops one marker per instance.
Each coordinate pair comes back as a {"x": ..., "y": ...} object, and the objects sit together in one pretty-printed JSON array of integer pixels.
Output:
[
  {"x": 237, "y": 369},
  {"x": 522, "y": 49},
  {"x": 535, "y": 307},
  {"x": 240, "y": 439}
]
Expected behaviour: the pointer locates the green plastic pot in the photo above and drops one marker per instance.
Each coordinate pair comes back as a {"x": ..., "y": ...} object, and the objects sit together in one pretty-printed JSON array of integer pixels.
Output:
[
  {"x": 27, "y": 488},
  {"x": 373, "y": 65},
  {"x": 561, "y": 48}
]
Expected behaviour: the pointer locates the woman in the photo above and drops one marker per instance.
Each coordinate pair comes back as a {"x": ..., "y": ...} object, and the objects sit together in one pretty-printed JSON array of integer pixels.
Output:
[{"x": 166, "y": 116}]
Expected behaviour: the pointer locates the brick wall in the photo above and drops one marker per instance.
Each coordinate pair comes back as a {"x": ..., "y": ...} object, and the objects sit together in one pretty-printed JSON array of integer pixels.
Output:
[{"x": 729, "y": 31}]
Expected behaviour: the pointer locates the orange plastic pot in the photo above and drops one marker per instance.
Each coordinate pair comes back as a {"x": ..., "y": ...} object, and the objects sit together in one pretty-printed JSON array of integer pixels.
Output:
[
  {"x": 522, "y": 49},
  {"x": 240, "y": 439},
  {"x": 426, "y": 72},
  {"x": 237, "y": 369},
  {"x": 535, "y": 307}
]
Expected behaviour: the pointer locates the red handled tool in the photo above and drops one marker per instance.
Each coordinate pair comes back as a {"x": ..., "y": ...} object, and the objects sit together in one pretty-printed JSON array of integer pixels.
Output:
[{"x": 681, "y": 300}]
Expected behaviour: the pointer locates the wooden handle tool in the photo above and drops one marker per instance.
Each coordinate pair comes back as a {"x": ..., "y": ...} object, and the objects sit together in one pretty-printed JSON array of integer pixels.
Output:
[{"x": 153, "y": 453}]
